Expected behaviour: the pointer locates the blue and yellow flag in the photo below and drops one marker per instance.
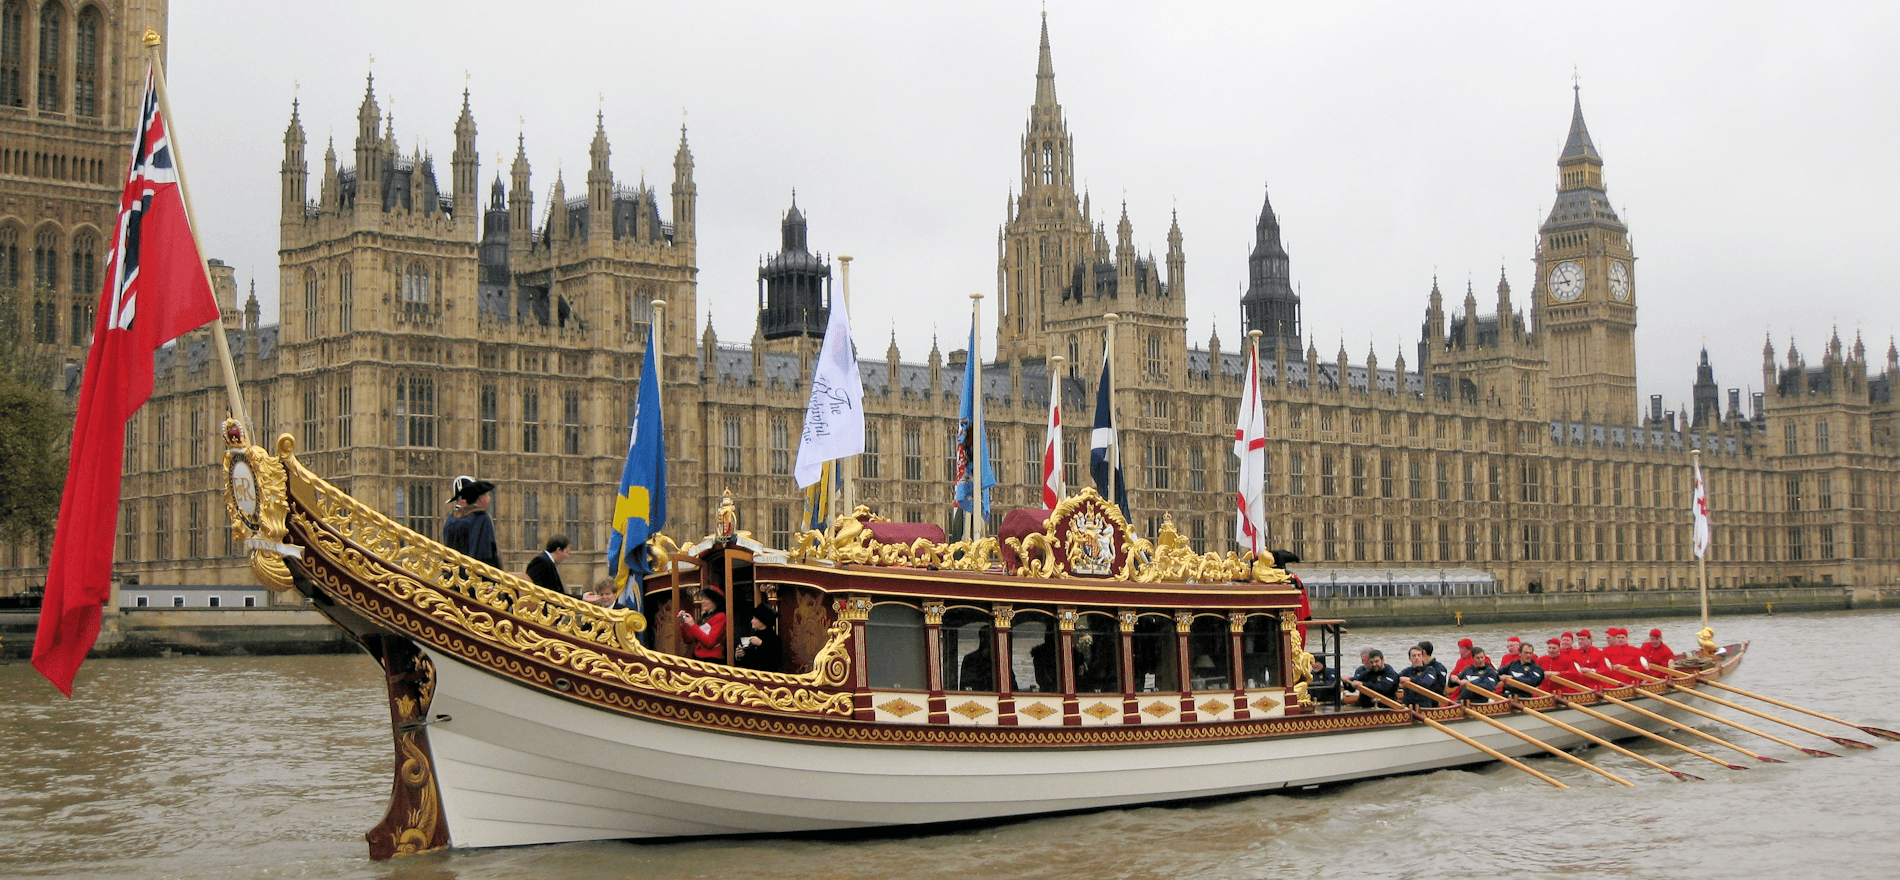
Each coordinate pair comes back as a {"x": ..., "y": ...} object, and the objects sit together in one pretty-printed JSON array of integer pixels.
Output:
[
  {"x": 820, "y": 497},
  {"x": 640, "y": 509}
]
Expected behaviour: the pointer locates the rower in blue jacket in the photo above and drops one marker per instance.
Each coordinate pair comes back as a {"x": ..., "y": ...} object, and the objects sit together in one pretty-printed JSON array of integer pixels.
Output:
[
  {"x": 1374, "y": 676},
  {"x": 1524, "y": 669},
  {"x": 1424, "y": 672},
  {"x": 1480, "y": 673}
]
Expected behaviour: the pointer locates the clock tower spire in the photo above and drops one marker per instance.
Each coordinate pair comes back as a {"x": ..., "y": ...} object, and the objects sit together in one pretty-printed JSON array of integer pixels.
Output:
[{"x": 1584, "y": 301}]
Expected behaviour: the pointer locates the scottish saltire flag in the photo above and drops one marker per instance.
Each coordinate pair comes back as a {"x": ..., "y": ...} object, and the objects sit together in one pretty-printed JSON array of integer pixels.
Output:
[
  {"x": 834, "y": 417},
  {"x": 1052, "y": 486},
  {"x": 1105, "y": 449},
  {"x": 1250, "y": 446},
  {"x": 640, "y": 509},
  {"x": 969, "y": 428},
  {"x": 1699, "y": 506},
  {"x": 155, "y": 291}
]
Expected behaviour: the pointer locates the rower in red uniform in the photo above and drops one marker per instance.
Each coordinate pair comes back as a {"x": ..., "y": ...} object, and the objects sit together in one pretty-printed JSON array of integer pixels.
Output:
[
  {"x": 1569, "y": 655},
  {"x": 1619, "y": 652},
  {"x": 1553, "y": 659},
  {"x": 1590, "y": 657},
  {"x": 1464, "y": 656},
  {"x": 1654, "y": 651},
  {"x": 1512, "y": 646}
]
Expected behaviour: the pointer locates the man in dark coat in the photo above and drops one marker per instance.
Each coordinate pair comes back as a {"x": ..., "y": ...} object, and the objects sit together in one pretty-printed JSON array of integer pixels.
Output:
[
  {"x": 1377, "y": 676},
  {"x": 1424, "y": 672},
  {"x": 469, "y": 530},
  {"x": 545, "y": 569}
]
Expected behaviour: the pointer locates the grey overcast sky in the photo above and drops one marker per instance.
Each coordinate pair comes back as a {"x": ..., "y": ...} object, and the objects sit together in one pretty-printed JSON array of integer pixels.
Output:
[{"x": 1750, "y": 146}]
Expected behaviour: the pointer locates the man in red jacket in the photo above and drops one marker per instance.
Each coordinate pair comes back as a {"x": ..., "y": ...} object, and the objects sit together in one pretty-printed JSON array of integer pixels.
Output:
[
  {"x": 1464, "y": 656},
  {"x": 1657, "y": 653},
  {"x": 1619, "y": 652},
  {"x": 1553, "y": 659}
]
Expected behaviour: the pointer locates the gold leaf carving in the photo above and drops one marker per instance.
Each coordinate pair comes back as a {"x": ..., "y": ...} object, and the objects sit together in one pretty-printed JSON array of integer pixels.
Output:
[
  {"x": 1038, "y": 711},
  {"x": 972, "y": 710},
  {"x": 1158, "y": 709},
  {"x": 1264, "y": 704},
  {"x": 1100, "y": 711},
  {"x": 1212, "y": 707},
  {"x": 900, "y": 707}
]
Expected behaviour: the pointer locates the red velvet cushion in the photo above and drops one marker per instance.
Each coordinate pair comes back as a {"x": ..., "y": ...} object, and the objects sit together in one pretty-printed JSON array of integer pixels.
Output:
[
  {"x": 905, "y": 533},
  {"x": 1018, "y": 524}
]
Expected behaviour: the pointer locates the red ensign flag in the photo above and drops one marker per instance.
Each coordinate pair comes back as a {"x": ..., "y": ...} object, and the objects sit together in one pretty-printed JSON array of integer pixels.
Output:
[{"x": 155, "y": 291}]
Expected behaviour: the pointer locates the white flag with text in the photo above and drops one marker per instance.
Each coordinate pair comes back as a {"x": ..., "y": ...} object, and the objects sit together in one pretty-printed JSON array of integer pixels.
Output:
[{"x": 834, "y": 419}]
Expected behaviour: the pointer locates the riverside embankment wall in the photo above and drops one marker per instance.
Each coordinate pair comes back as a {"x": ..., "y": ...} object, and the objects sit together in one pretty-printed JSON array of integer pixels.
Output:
[{"x": 150, "y": 632}]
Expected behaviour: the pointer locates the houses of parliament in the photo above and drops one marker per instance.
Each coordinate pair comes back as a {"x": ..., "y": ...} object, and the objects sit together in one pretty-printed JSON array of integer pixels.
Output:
[{"x": 428, "y": 332}]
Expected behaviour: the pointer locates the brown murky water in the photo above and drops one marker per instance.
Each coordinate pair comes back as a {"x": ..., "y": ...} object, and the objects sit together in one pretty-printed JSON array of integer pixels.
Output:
[{"x": 274, "y": 766}]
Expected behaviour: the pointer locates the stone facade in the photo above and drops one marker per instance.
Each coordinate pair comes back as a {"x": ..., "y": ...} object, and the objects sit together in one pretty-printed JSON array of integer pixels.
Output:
[{"x": 425, "y": 335}]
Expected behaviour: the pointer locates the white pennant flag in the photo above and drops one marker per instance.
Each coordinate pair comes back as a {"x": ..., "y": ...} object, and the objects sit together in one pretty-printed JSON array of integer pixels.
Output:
[
  {"x": 1052, "y": 486},
  {"x": 1699, "y": 505},
  {"x": 1250, "y": 446},
  {"x": 834, "y": 419}
]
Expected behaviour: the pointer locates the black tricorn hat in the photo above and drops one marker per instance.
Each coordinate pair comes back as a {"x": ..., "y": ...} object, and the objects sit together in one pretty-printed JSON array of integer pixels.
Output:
[
  {"x": 1282, "y": 557},
  {"x": 467, "y": 488}
]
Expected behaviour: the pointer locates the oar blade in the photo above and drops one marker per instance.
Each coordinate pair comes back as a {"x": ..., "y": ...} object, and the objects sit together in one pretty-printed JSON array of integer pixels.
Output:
[
  {"x": 1767, "y": 760},
  {"x": 1745, "y": 766},
  {"x": 1817, "y": 753},
  {"x": 1850, "y": 743},
  {"x": 1879, "y": 732},
  {"x": 1685, "y": 777}
]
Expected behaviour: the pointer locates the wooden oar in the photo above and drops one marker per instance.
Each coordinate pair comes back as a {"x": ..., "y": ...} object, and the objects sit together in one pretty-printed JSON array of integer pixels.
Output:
[
  {"x": 1417, "y": 716},
  {"x": 1881, "y": 732},
  {"x": 1489, "y": 695},
  {"x": 1558, "y": 679},
  {"x": 1473, "y": 713},
  {"x": 1837, "y": 740},
  {"x": 1816, "y": 753},
  {"x": 1566, "y": 701}
]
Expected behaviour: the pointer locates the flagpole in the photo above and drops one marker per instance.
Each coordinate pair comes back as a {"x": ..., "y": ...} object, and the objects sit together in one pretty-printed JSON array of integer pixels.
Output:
[
  {"x": 1253, "y": 383},
  {"x": 850, "y": 504},
  {"x": 978, "y": 466},
  {"x": 152, "y": 43},
  {"x": 1114, "y": 424},
  {"x": 1701, "y": 559},
  {"x": 1055, "y": 400}
]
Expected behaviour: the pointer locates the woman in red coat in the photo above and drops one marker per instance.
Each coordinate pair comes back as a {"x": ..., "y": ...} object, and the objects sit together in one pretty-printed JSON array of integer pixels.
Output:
[{"x": 706, "y": 634}]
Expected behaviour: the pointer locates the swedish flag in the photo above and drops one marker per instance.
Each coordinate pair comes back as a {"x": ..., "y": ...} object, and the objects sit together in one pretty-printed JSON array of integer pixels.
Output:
[{"x": 640, "y": 509}]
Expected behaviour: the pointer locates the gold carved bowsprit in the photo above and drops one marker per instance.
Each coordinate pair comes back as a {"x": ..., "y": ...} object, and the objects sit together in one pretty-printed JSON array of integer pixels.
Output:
[
  {"x": 360, "y": 547},
  {"x": 257, "y": 502}
]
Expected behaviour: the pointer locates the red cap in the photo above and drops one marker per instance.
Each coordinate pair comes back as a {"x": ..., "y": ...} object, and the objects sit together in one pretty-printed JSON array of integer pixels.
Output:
[
  {"x": 1584, "y": 634},
  {"x": 1557, "y": 642},
  {"x": 1570, "y": 635},
  {"x": 1464, "y": 643},
  {"x": 1515, "y": 639},
  {"x": 1655, "y": 634},
  {"x": 1613, "y": 631}
]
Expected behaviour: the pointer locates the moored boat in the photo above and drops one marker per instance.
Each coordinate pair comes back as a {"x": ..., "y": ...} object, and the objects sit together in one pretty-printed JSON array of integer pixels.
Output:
[{"x": 1063, "y": 665}]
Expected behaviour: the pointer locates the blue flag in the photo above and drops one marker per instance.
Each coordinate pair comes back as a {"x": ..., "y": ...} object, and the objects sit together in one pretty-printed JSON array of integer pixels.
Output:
[
  {"x": 1105, "y": 450},
  {"x": 640, "y": 509},
  {"x": 968, "y": 429}
]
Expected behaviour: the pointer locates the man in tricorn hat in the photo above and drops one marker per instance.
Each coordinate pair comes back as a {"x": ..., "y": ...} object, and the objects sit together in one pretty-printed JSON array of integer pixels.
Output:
[
  {"x": 1281, "y": 559},
  {"x": 469, "y": 531}
]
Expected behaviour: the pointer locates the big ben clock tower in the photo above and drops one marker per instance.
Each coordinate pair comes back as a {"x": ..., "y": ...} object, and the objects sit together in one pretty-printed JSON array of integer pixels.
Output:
[{"x": 1584, "y": 303}]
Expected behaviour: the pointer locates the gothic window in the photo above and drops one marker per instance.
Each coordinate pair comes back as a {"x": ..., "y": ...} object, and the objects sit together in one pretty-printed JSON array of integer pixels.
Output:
[
  {"x": 345, "y": 414},
  {"x": 310, "y": 313},
  {"x": 1792, "y": 434},
  {"x": 86, "y": 64},
  {"x": 913, "y": 453},
  {"x": 1197, "y": 470},
  {"x": 781, "y": 525},
  {"x": 530, "y": 519},
  {"x": 531, "y": 420},
  {"x": 1358, "y": 475},
  {"x": 1794, "y": 494},
  {"x": 572, "y": 522},
  {"x": 781, "y": 443},
  {"x": 1471, "y": 481},
  {"x": 1418, "y": 541},
  {"x": 1157, "y": 464},
  {"x": 732, "y": 445},
  {"x": 195, "y": 530},
  {"x": 993, "y": 450},
  {"x": 129, "y": 535},
  {"x": 1070, "y": 468},
  {"x": 1386, "y": 481},
  {"x": 415, "y": 283},
  {"x": 491, "y": 418},
  {"x": 571, "y": 423},
  {"x": 12, "y": 60},
  {"x": 1824, "y": 492},
  {"x": 46, "y": 260},
  {"x": 1359, "y": 542},
  {"x": 162, "y": 529},
  {"x": 50, "y": 58},
  {"x": 311, "y": 414},
  {"x": 9, "y": 258},
  {"x": 867, "y": 462},
  {"x": 1496, "y": 481},
  {"x": 1157, "y": 368},
  {"x": 1048, "y": 164},
  {"x": 1822, "y": 442},
  {"x": 1296, "y": 473},
  {"x": 1032, "y": 461},
  {"x": 1415, "y": 479},
  {"x": 415, "y": 411},
  {"x": 196, "y": 444},
  {"x": 1329, "y": 540},
  {"x": 345, "y": 299}
]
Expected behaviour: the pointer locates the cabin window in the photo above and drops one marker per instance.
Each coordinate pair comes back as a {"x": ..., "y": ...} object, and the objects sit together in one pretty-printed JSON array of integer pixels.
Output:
[
  {"x": 1157, "y": 665},
  {"x": 1260, "y": 650},
  {"x": 1210, "y": 652},
  {"x": 1098, "y": 653},
  {"x": 1032, "y": 653},
  {"x": 969, "y": 652},
  {"x": 894, "y": 648},
  {"x": 143, "y": 601}
]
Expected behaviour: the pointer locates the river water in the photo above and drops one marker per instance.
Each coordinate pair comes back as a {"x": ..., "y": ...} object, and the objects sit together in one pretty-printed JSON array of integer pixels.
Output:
[{"x": 245, "y": 767}]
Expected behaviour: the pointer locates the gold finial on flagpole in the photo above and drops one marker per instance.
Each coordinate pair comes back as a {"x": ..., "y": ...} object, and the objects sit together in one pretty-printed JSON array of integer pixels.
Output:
[{"x": 152, "y": 39}]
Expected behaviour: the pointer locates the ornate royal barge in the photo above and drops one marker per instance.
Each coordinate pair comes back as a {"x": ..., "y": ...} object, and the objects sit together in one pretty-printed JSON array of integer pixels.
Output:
[{"x": 1062, "y": 666}]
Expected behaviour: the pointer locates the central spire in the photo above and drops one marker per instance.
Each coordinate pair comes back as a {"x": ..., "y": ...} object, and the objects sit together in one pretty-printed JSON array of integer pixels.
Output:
[
  {"x": 1579, "y": 145},
  {"x": 1045, "y": 69}
]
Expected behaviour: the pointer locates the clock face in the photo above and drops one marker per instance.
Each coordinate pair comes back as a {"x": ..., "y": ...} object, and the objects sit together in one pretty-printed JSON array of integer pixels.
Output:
[
  {"x": 1566, "y": 281},
  {"x": 1620, "y": 282}
]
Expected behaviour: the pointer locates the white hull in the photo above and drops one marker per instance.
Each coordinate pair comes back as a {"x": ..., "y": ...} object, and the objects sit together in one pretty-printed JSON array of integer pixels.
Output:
[{"x": 518, "y": 766}]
